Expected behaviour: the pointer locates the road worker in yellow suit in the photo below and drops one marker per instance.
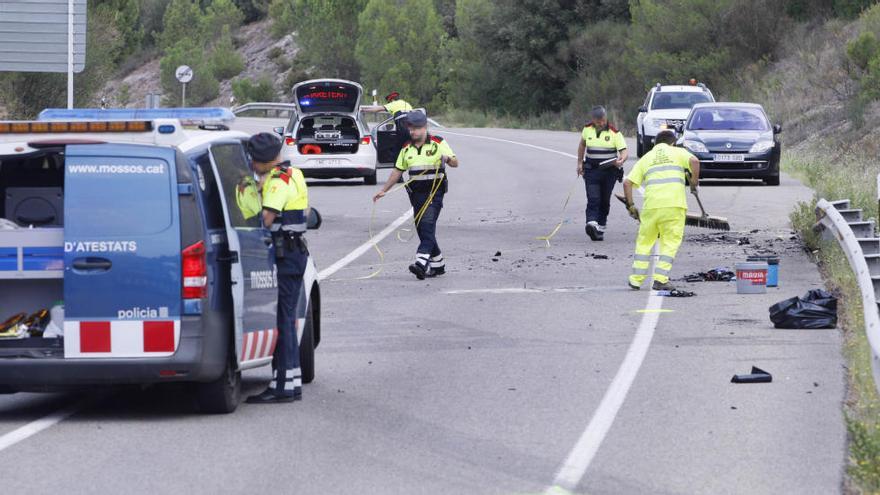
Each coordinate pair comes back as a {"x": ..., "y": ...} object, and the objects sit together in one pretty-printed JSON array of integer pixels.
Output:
[{"x": 663, "y": 172}]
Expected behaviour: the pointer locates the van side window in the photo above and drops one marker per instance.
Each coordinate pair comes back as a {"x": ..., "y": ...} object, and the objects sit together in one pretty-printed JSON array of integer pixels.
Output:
[
  {"x": 239, "y": 186},
  {"x": 213, "y": 206}
]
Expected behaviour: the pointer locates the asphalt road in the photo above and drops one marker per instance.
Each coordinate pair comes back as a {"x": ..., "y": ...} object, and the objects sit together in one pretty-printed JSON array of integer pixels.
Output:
[{"x": 484, "y": 381}]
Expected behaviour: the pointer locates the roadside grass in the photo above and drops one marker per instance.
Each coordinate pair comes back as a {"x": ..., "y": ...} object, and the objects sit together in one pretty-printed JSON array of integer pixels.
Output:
[
  {"x": 851, "y": 177},
  {"x": 554, "y": 121}
]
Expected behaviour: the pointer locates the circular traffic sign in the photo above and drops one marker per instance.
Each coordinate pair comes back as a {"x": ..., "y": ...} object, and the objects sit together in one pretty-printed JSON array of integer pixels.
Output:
[{"x": 184, "y": 73}]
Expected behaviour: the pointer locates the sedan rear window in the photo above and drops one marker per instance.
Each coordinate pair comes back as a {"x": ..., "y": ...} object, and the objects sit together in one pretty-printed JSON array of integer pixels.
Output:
[
  {"x": 685, "y": 99},
  {"x": 728, "y": 119}
]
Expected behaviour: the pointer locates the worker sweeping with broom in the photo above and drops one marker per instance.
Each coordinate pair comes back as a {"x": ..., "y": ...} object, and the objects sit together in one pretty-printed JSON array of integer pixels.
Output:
[{"x": 663, "y": 173}]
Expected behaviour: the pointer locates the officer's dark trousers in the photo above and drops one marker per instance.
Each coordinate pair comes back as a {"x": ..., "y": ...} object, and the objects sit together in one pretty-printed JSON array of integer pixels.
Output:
[
  {"x": 285, "y": 362},
  {"x": 600, "y": 185},
  {"x": 427, "y": 226}
]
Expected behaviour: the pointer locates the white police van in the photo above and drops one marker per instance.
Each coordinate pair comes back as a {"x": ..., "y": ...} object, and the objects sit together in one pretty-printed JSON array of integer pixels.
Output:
[{"x": 122, "y": 244}]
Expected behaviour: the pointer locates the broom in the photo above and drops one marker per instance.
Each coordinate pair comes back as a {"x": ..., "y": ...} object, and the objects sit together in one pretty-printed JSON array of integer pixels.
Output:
[
  {"x": 696, "y": 220},
  {"x": 705, "y": 221}
]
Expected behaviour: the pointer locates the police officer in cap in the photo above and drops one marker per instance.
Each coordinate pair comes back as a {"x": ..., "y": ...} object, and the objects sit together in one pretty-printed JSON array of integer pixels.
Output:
[
  {"x": 285, "y": 203},
  {"x": 425, "y": 158},
  {"x": 601, "y": 155},
  {"x": 394, "y": 105}
]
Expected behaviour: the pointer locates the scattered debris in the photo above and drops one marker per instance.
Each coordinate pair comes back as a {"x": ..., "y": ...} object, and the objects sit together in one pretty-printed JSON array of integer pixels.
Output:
[
  {"x": 675, "y": 293},
  {"x": 497, "y": 253},
  {"x": 716, "y": 275},
  {"x": 756, "y": 376},
  {"x": 816, "y": 309},
  {"x": 600, "y": 257},
  {"x": 742, "y": 241}
]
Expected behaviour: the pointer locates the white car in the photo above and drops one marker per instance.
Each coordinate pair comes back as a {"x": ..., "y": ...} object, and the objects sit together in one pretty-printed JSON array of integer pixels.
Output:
[
  {"x": 667, "y": 107},
  {"x": 325, "y": 135}
]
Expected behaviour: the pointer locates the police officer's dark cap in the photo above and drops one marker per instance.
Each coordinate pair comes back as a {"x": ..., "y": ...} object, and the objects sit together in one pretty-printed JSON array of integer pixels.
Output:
[
  {"x": 264, "y": 147},
  {"x": 392, "y": 96},
  {"x": 416, "y": 119},
  {"x": 598, "y": 112}
]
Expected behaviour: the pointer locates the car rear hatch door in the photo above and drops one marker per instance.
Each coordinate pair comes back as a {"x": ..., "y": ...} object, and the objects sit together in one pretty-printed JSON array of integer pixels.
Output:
[
  {"x": 122, "y": 252},
  {"x": 328, "y": 95}
]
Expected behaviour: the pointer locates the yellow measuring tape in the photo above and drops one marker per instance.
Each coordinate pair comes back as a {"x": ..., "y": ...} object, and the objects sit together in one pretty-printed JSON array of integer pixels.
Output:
[
  {"x": 435, "y": 187},
  {"x": 546, "y": 238}
]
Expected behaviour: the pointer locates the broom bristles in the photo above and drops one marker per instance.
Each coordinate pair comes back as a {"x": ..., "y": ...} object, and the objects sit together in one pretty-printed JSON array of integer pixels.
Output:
[{"x": 707, "y": 222}]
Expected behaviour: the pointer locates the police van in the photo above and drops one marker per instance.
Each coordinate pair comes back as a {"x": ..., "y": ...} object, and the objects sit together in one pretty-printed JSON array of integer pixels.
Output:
[{"x": 126, "y": 259}]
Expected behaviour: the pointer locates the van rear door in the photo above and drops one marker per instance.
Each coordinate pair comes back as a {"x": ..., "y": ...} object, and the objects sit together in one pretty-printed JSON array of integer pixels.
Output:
[{"x": 122, "y": 252}]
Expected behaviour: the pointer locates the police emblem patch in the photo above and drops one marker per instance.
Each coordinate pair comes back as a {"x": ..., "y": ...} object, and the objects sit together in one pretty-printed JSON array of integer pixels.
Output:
[{"x": 607, "y": 138}]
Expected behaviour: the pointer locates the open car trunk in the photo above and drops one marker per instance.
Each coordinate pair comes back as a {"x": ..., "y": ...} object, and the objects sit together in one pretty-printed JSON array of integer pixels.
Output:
[
  {"x": 32, "y": 254},
  {"x": 328, "y": 134}
]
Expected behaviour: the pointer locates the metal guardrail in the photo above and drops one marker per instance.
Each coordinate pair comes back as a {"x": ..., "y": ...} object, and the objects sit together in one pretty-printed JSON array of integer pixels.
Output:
[{"x": 861, "y": 245}]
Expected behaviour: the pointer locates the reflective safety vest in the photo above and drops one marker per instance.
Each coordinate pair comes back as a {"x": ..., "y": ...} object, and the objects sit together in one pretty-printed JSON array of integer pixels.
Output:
[
  {"x": 247, "y": 197},
  {"x": 285, "y": 193},
  {"x": 601, "y": 145},
  {"x": 423, "y": 163},
  {"x": 662, "y": 172},
  {"x": 397, "y": 106}
]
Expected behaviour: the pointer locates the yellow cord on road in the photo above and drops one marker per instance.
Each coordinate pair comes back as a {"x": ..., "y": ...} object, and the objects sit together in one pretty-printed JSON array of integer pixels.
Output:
[
  {"x": 435, "y": 187},
  {"x": 546, "y": 238}
]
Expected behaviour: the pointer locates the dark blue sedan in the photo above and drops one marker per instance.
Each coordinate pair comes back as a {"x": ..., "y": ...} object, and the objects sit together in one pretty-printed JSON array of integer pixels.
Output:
[{"x": 733, "y": 141}]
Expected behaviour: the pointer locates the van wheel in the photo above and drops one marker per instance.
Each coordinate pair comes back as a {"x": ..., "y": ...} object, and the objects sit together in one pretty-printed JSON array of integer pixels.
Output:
[
  {"x": 772, "y": 180},
  {"x": 370, "y": 180},
  {"x": 223, "y": 395},
  {"x": 640, "y": 149},
  {"x": 307, "y": 348}
]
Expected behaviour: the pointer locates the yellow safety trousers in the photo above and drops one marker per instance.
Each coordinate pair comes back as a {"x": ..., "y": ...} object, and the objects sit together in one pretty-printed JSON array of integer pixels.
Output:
[{"x": 663, "y": 225}]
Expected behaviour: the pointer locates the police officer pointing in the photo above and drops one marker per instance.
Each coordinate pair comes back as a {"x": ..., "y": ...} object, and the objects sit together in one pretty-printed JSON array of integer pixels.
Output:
[
  {"x": 601, "y": 155},
  {"x": 285, "y": 204},
  {"x": 425, "y": 158}
]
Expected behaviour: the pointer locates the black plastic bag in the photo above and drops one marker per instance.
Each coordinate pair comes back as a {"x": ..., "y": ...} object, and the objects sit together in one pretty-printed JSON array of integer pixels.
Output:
[{"x": 816, "y": 309}]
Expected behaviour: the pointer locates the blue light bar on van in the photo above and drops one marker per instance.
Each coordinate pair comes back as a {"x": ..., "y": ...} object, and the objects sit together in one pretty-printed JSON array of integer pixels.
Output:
[{"x": 193, "y": 115}]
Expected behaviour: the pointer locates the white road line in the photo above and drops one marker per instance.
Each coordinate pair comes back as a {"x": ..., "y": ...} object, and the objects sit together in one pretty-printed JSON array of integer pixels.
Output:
[
  {"x": 575, "y": 466},
  {"x": 572, "y": 471},
  {"x": 36, "y": 426},
  {"x": 569, "y": 155},
  {"x": 363, "y": 248}
]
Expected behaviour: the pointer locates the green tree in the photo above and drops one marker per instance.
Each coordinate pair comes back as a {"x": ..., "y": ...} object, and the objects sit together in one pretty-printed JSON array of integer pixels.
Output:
[
  {"x": 221, "y": 14},
  {"x": 667, "y": 47},
  {"x": 246, "y": 90},
  {"x": 400, "y": 48},
  {"x": 326, "y": 31},
  {"x": 183, "y": 19},
  {"x": 253, "y": 10},
  {"x": 225, "y": 61}
]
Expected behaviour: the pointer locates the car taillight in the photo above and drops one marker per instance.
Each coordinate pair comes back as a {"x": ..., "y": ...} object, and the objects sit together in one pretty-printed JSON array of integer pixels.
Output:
[
  {"x": 195, "y": 271},
  {"x": 290, "y": 141},
  {"x": 365, "y": 140}
]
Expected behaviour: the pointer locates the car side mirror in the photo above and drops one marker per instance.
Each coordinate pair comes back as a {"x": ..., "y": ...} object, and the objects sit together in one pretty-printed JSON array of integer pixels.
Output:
[
  {"x": 777, "y": 129},
  {"x": 278, "y": 130},
  {"x": 643, "y": 109},
  {"x": 314, "y": 220}
]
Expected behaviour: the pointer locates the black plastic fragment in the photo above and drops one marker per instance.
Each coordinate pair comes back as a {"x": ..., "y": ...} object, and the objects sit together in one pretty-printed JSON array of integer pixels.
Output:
[{"x": 756, "y": 376}]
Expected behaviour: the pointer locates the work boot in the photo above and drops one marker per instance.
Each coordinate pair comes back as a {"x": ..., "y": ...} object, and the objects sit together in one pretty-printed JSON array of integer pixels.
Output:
[
  {"x": 662, "y": 286},
  {"x": 592, "y": 230},
  {"x": 633, "y": 286},
  {"x": 435, "y": 272},
  {"x": 269, "y": 396},
  {"x": 418, "y": 270}
]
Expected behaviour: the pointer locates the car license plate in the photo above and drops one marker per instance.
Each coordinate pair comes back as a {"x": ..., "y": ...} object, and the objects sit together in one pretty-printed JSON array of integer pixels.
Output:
[
  {"x": 330, "y": 163},
  {"x": 730, "y": 158}
]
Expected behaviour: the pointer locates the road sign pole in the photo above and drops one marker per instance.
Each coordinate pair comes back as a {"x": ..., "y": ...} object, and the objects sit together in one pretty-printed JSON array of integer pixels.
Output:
[
  {"x": 183, "y": 96},
  {"x": 69, "y": 53}
]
